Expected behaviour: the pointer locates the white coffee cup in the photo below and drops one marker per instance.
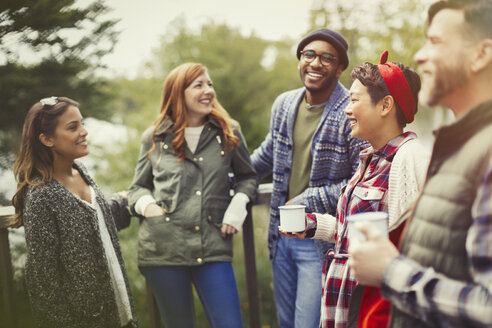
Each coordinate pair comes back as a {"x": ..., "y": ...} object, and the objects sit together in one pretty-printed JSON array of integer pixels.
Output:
[
  {"x": 378, "y": 219},
  {"x": 292, "y": 218}
]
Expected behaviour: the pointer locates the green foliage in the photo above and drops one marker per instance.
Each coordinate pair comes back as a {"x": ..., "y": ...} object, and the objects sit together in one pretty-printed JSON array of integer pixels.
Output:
[
  {"x": 370, "y": 27},
  {"x": 136, "y": 104},
  {"x": 373, "y": 26},
  {"x": 65, "y": 44}
]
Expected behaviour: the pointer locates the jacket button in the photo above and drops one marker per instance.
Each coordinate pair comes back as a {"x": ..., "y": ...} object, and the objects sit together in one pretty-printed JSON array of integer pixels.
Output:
[
  {"x": 168, "y": 219},
  {"x": 200, "y": 159},
  {"x": 199, "y": 260},
  {"x": 197, "y": 228},
  {"x": 165, "y": 146},
  {"x": 210, "y": 218},
  {"x": 198, "y": 192},
  {"x": 195, "y": 159}
]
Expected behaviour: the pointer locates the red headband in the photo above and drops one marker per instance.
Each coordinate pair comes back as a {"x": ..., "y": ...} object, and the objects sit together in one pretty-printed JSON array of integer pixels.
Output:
[{"x": 397, "y": 86}]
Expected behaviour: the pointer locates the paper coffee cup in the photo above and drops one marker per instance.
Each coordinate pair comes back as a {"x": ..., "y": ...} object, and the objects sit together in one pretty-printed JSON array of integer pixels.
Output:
[
  {"x": 292, "y": 218},
  {"x": 378, "y": 219}
]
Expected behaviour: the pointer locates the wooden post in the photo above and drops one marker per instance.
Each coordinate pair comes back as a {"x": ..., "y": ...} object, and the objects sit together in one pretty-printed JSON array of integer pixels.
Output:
[
  {"x": 154, "y": 315},
  {"x": 6, "y": 272},
  {"x": 251, "y": 275}
]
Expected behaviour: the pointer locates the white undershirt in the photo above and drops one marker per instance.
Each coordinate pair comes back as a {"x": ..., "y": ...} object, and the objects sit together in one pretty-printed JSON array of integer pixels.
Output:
[
  {"x": 117, "y": 280},
  {"x": 192, "y": 135}
]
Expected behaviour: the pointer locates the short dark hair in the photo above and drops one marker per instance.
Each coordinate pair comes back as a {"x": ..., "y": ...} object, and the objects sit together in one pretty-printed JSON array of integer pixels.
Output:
[
  {"x": 477, "y": 13},
  {"x": 368, "y": 74}
]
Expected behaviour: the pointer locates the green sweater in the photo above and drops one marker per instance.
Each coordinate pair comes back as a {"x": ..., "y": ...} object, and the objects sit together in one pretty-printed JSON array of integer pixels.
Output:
[{"x": 306, "y": 122}]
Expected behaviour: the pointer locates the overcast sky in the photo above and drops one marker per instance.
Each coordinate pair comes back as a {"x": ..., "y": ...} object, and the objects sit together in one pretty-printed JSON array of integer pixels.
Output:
[{"x": 143, "y": 22}]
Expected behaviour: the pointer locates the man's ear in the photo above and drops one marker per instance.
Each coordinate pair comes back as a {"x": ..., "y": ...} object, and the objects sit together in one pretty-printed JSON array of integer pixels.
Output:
[
  {"x": 482, "y": 55},
  {"x": 46, "y": 140},
  {"x": 387, "y": 105},
  {"x": 339, "y": 71}
]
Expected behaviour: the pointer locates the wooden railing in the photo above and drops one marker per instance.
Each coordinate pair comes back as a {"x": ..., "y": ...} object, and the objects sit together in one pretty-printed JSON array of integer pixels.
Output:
[{"x": 6, "y": 272}]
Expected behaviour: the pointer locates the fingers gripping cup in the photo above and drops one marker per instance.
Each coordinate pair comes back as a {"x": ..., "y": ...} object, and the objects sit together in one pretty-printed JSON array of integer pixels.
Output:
[
  {"x": 292, "y": 218},
  {"x": 378, "y": 219}
]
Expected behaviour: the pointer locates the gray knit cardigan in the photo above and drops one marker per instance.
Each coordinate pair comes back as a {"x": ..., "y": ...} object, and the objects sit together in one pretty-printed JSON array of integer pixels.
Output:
[{"x": 67, "y": 272}]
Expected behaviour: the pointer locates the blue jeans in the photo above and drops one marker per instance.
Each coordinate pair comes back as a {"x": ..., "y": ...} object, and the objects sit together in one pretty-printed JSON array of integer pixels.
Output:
[
  {"x": 297, "y": 283},
  {"x": 215, "y": 284}
]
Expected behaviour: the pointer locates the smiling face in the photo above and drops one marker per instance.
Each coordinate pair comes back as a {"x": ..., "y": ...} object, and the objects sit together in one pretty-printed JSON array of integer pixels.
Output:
[
  {"x": 319, "y": 79},
  {"x": 364, "y": 117},
  {"x": 199, "y": 96},
  {"x": 442, "y": 60},
  {"x": 69, "y": 140}
]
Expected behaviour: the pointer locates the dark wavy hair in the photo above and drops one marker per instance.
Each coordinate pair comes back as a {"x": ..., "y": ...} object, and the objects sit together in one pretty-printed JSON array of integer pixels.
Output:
[{"x": 34, "y": 163}]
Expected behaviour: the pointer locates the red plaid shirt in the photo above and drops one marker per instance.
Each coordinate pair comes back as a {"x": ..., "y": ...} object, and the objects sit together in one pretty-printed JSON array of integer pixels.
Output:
[{"x": 363, "y": 193}]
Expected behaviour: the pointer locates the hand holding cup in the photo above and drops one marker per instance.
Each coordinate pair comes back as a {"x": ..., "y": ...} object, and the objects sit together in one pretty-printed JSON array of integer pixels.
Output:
[{"x": 292, "y": 221}]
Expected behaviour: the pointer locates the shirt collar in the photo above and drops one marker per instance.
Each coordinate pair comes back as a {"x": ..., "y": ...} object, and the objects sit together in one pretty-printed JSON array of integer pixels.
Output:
[
  {"x": 390, "y": 148},
  {"x": 167, "y": 124}
]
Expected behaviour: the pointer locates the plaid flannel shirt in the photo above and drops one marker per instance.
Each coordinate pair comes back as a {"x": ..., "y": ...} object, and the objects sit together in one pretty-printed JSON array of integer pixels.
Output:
[
  {"x": 363, "y": 193},
  {"x": 433, "y": 297}
]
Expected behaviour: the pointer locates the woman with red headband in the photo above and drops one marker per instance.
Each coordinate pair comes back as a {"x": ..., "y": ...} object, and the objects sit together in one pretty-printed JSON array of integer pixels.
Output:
[{"x": 391, "y": 172}]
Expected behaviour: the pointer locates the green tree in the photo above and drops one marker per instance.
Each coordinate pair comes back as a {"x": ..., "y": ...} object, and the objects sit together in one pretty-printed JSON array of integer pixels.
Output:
[{"x": 50, "y": 47}]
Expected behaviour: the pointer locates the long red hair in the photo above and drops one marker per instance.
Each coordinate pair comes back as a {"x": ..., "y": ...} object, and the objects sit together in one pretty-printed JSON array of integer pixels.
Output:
[{"x": 173, "y": 108}]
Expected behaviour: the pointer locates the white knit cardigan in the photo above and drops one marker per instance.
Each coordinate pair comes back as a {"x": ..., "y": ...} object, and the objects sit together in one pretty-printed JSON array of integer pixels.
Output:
[{"x": 406, "y": 180}]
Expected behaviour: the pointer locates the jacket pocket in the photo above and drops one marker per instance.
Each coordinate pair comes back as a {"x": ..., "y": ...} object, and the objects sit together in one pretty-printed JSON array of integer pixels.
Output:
[
  {"x": 369, "y": 194},
  {"x": 216, "y": 208},
  {"x": 369, "y": 199},
  {"x": 167, "y": 171},
  {"x": 157, "y": 233}
]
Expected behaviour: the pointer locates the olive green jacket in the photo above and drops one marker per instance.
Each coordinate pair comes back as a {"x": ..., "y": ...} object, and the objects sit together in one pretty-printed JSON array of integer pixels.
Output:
[{"x": 194, "y": 193}]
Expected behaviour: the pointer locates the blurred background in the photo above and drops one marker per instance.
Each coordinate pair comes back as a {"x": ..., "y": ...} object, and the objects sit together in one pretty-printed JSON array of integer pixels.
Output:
[{"x": 113, "y": 56}]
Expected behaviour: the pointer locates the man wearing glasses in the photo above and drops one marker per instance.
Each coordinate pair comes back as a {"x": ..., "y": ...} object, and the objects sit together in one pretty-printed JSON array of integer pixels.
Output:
[{"x": 311, "y": 155}]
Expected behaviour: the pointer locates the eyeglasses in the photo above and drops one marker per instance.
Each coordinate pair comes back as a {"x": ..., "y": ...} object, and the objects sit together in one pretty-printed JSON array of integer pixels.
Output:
[
  {"x": 325, "y": 58},
  {"x": 51, "y": 101}
]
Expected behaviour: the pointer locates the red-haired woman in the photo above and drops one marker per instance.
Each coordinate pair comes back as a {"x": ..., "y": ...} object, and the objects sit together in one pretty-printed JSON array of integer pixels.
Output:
[
  {"x": 181, "y": 189},
  {"x": 75, "y": 273}
]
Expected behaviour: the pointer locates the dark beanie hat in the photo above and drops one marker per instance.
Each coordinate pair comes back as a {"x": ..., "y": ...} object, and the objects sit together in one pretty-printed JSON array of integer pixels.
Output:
[{"x": 332, "y": 37}]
